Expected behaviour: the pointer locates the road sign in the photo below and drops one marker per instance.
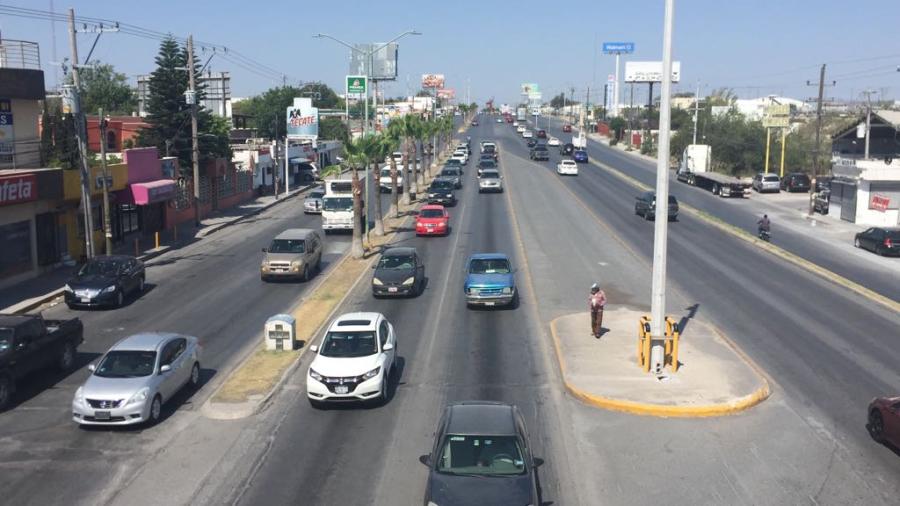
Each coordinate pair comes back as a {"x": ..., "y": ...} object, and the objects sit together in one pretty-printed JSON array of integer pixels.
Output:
[
  {"x": 778, "y": 110},
  {"x": 776, "y": 121},
  {"x": 356, "y": 85},
  {"x": 649, "y": 71},
  {"x": 618, "y": 47}
]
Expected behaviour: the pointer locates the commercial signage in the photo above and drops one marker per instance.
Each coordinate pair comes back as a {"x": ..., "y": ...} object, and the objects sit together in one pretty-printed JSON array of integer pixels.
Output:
[
  {"x": 383, "y": 61},
  {"x": 879, "y": 202},
  {"x": 18, "y": 189},
  {"x": 160, "y": 193},
  {"x": 448, "y": 93},
  {"x": 303, "y": 122},
  {"x": 776, "y": 121},
  {"x": 649, "y": 71},
  {"x": 529, "y": 88},
  {"x": 7, "y": 133},
  {"x": 432, "y": 80},
  {"x": 356, "y": 86},
  {"x": 618, "y": 47},
  {"x": 778, "y": 110}
]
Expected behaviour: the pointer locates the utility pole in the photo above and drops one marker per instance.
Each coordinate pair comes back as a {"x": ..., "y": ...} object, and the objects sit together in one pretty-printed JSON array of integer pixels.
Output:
[
  {"x": 571, "y": 103},
  {"x": 107, "y": 222},
  {"x": 812, "y": 187},
  {"x": 660, "y": 235},
  {"x": 195, "y": 149},
  {"x": 868, "y": 94},
  {"x": 81, "y": 133},
  {"x": 696, "y": 111},
  {"x": 631, "y": 120}
]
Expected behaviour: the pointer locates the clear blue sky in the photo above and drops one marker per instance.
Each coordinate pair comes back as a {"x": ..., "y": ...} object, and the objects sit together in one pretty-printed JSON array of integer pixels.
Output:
[{"x": 756, "y": 47}]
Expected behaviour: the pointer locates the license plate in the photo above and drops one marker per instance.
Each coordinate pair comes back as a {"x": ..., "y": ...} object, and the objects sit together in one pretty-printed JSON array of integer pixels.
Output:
[
  {"x": 429, "y": 226},
  {"x": 488, "y": 303},
  {"x": 392, "y": 289},
  {"x": 341, "y": 389},
  {"x": 85, "y": 300},
  {"x": 101, "y": 415}
]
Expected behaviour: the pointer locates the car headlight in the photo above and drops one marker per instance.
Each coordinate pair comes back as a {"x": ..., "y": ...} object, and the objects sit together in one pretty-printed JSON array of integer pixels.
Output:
[
  {"x": 507, "y": 290},
  {"x": 295, "y": 265},
  {"x": 68, "y": 288},
  {"x": 377, "y": 282},
  {"x": 441, "y": 224},
  {"x": 473, "y": 291},
  {"x": 140, "y": 396},
  {"x": 409, "y": 281},
  {"x": 314, "y": 375},
  {"x": 79, "y": 395},
  {"x": 432, "y": 195},
  {"x": 264, "y": 266},
  {"x": 432, "y": 503},
  {"x": 372, "y": 373},
  {"x": 109, "y": 289}
]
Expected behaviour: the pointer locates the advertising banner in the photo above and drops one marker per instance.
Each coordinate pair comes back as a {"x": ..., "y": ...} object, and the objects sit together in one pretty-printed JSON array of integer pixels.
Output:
[
  {"x": 529, "y": 88},
  {"x": 448, "y": 93},
  {"x": 879, "y": 202},
  {"x": 383, "y": 61},
  {"x": 17, "y": 189},
  {"x": 433, "y": 81},
  {"x": 302, "y": 122},
  {"x": 649, "y": 71},
  {"x": 7, "y": 135}
]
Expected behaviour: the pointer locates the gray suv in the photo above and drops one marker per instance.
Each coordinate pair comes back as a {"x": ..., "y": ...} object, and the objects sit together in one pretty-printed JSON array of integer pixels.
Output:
[
  {"x": 645, "y": 206},
  {"x": 294, "y": 253}
]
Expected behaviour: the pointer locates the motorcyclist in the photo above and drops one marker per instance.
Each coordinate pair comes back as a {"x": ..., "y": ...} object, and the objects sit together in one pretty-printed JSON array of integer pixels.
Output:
[
  {"x": 597, "y": 304},
  {"x": 763, "y": 225}
]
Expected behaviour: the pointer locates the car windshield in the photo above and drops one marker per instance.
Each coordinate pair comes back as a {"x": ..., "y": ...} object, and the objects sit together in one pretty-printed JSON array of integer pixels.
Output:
[
  {"x": 349, "y": 344},
  {"x": 481, "y": 455},
  {"x": 770, "y": 179},
  {"x": 386, "y": 172},
  {"x": 450, "y": 172},
  {"x": 489, "y": 266},
  {"x": 453, "y": 161},
  {"x": 337, "y": 203},
  {"x": 540, "y": 148},
  {"x": 441, "y": 185},
  {"x": 490, "y": 174},
  {"x": 396, "y": 262},
  {"x": 431, "y": 213},
  {"x": 126, "y": 364},
  {"x": 316, "y": 195},
  {"x": 287, "y": 246},
  {"x": 100, "y": 267},
  {"x": 893, "y": 235}
]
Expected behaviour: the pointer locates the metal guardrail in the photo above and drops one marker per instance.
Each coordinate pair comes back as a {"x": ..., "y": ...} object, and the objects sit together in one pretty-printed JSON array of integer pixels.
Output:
[{"x": 19, "y": 54}]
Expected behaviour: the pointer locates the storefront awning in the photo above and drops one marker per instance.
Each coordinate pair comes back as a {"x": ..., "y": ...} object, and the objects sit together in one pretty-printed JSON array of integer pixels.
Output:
[{"x": 153, "y": 191}]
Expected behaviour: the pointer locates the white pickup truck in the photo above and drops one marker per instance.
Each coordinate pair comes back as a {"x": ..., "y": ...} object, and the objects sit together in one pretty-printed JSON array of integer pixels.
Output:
[{"x": 384, "y": 179}]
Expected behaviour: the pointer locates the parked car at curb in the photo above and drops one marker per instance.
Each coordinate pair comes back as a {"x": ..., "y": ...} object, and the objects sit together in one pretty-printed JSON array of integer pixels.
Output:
[
  {"x": 567, "y": 168},
  {"x": 764, "y": 183},
  {"x": 132, "y": 381},
  {"x": 312, "y": 204},
  {"x": 796, "y": 182},
  {"x": 884, "y": 420},
  {"x": 883, "y": 241},
  {"x": 432, "y": 220},
  {"x": 490, "y": 281},
  {"x": 452, "y": 174},
  {"x": 29, "y": 343},
  {"x": 105, "y": 280},
  {"x": 293, "y": 254},
  {"x": 354, "y": 361},
  {"x": 490, "y": 180},
  {"x": 481, "y": 454},
  {"x": 399, "y": 272},
  {"x": 645, "y": 206}
]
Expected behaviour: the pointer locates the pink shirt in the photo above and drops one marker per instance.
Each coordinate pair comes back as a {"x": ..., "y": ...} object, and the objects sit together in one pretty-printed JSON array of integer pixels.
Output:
[{"x": 598, "y": 300}]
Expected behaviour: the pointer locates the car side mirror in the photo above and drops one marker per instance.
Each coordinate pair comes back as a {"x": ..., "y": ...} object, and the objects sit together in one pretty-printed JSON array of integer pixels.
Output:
[
  {"x": 537, "y": 462},
  {"x": 92, "y": 367},
  {"x": 165, "y": 368},
  {"x": 425, "y": 459},
  {"x": 387, "y": 347},
  {"x": 314, "y": 348},
  {"x": 375, "y": 266},
  {"x": 264, "y": 250}
]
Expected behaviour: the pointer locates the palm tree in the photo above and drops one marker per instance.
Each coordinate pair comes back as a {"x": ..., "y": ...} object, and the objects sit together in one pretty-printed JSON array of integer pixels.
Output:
[
  {"x": 381, "y": 147},
  {"x": 411, "y": 125},
  {"x": 354, "y": 156},
  {"x": 392, "y": 138},
  {"x": 422, "y": 133}
]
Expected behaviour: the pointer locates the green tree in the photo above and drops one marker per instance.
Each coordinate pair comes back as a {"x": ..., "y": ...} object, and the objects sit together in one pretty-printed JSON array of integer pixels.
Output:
[
  {"x": 392, "y": 135},
  {"x": 268, "y": 110},
  {"x": 58, "y": 145},
  {"x": 333, "y": 128},
  {"x": 322, "y": 96},
  {"x": 103, "y": 87}
]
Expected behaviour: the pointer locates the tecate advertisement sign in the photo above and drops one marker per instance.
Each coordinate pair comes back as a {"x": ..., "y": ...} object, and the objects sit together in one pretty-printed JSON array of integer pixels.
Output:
[
  {"x": 18, "y": 189},
  {"x": 618, "y": 47},
  {"x": 649, "y": 71},
  {"x": 302, "y": 122},
  {"x": 432, "y": 80}
]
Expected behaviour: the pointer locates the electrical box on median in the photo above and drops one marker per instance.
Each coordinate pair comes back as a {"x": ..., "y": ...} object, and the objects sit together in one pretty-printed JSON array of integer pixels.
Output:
[{"x": 280, "y": 332}]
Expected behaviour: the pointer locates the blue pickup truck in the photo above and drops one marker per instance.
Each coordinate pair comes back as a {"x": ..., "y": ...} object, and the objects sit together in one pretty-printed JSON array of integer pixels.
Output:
[{"x": 490, "y": 281}]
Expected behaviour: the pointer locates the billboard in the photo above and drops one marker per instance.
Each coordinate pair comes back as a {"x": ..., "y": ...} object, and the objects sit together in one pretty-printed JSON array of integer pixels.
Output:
[
  {"x": 649, "y": 71},
  {"x": 383, "y": 61},
  {"x": 448, "y": 93},
  {"x": 432, "y": 80},
  {"x": 618, "y": 47},
  {"x": 529, "y": 88},
  {"x": 302, "y": 122},
  {"x": 7, "y": 134}
]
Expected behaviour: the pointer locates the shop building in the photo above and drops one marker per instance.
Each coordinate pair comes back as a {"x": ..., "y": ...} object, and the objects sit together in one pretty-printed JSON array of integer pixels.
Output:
[
  {"x": 21, "y": 93},
  {"x": 141, "y": 205}
]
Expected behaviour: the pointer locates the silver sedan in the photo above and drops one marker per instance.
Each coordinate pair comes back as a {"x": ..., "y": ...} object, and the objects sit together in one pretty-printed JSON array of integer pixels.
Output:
[{"x": 135, "y": 377}]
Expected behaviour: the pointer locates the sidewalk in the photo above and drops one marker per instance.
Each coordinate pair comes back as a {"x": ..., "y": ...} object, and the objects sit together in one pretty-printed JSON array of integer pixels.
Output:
[
  {"x": 713, "y": 379},
  {"x": 34, "y": 292}
]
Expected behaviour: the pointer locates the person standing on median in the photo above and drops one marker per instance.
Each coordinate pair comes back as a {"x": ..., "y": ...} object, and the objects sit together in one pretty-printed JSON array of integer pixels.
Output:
[{"x": 597, "y": 303}]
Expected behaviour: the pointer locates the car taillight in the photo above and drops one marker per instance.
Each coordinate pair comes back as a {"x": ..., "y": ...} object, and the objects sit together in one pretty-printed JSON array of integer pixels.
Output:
[{"x": 888, "y": 243}]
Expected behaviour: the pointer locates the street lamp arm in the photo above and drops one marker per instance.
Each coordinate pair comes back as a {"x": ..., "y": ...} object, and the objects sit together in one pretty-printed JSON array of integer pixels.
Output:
[
  {"x": 339, "y": 41},
  {"x": 395, "y": 39}
]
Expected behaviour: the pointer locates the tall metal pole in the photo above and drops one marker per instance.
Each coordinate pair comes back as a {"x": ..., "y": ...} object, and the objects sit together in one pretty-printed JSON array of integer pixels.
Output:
[
  {"x": 81, "y": 133},
  {"x": 107, "y": 222},
  {"x": 696, "y": 111},
  {"x": 615, "y": 107},
  {"x": 783, "y": 143},
  {"x": 812, "y": 187},
  {"x": 768, "y": 143},
  {"x": 195, "y": 148},
  {"x": 868, "y": 94},
  {"x": 287, "y": 165},
  {"x": 660, "y": 236}
]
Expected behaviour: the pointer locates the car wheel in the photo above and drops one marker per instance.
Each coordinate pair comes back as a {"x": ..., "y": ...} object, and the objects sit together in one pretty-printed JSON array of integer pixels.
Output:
[
  {"x": 305, "y": 273},
  {"x": 319, "y": 263},
  {"x": 6, "y": 391},
  {"x": 383, "y": 396},
  {"x": 67, "y": 357},
  {"x": 195, "y": 375},
  {"x": 876, "y": 425},
  {"x": 120, "y": 299},
  {"x": 155, "y": 410},
  {"x": 857, "y": 243},
  {"x": 637, "y": 211},
  {"x": 315, "y": 404}
]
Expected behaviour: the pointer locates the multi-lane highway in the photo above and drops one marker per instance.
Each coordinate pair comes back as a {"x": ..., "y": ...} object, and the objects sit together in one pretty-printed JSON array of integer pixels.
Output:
[{"x": 827, "y": 352}]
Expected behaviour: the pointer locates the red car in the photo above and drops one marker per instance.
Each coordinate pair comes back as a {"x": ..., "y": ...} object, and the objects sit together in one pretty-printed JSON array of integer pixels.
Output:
[
  {"x": 884, "y": 420},
  {"x": 433, "y": 220},
  {"x": 542, "y": 134},
  {"x": 567, "y": 128}
]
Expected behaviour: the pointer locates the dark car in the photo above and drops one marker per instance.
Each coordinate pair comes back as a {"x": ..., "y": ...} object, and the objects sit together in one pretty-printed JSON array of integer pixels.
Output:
[
  {"x": 453, "y": 174},
  {"x": 645, "y": 206},
  {"x": 540, "y": 152},
  {"x": 567, "y": 128},
  {"x": 542, "y": 134},
  {"x": 531, "y": 142},
  {"x": 796, "y": 182},
  {"x": 490, "y": 150},
  {"x": 884, "y": 420},
  {"x": 486, "y": 163},
  {"x": 441, "y": 192},
  {"x": 580, "y": 156},
  {"x": 400, "y": 271},
  {"x": 821, "y": 201},
  {"x": 481, "y": 455},
  {"x": 567, "y": 149},
  {"x": 881, "y": 240},
  {"x": 105, "y": 280},
  {"x": 454, "y": 162},
  {"x": 474, "y": 122}
]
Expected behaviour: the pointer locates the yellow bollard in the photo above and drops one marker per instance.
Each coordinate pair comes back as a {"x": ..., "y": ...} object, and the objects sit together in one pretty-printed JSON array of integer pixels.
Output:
[{"x": 156, "y": 238}]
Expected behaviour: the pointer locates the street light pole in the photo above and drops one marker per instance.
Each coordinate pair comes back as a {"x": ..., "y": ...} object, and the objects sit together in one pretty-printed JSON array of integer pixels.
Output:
[
  {"x": 195, "y": 148},
  {"x": 658, "y": 293}
]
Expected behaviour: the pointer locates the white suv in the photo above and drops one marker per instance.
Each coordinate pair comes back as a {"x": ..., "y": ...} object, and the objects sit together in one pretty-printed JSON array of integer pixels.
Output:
[{"x": 355, "y": 360}]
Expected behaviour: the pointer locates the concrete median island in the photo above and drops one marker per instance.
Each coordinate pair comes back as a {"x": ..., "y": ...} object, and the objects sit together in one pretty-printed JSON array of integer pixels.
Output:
[{"x": 713, "y": 379}]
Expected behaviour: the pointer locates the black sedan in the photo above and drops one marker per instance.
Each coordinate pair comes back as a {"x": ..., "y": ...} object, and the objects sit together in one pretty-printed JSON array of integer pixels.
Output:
[
  {"x": 531, "y": 142},
  {"x": 481, "y": 455},
  {"x": 400, "y": 271},
  {"x": 881, "y": 240},
  {"x": 441, "y": 192},
  {"x": 105, "y": 280}
]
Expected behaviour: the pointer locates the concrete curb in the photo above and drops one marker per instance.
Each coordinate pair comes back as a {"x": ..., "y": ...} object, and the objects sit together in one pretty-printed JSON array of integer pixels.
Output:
[
  {"x": 798, "y": 261},
  {"x": 660, "y": 410},
  {"x": 33, "y": 303}
]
